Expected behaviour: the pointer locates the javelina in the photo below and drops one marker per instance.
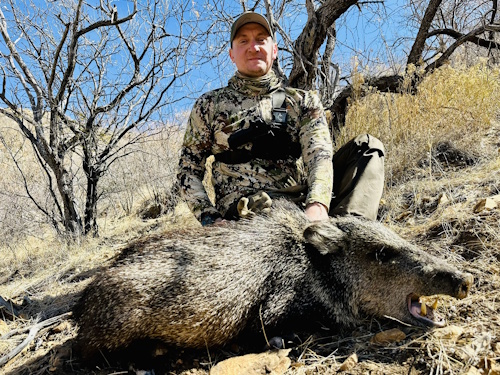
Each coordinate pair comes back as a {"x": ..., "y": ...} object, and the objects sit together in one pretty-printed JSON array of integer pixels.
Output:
[{"x": 203, "y": 287}]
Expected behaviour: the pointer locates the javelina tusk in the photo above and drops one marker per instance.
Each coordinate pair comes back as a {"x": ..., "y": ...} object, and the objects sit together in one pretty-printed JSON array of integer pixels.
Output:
[
  {"x": 435, "y": 304},
  {"x": 423, "y": 309}
]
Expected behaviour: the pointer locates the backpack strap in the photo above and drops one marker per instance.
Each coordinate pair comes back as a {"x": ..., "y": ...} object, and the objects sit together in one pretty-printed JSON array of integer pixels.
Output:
[{"x": 279, "y": 107}]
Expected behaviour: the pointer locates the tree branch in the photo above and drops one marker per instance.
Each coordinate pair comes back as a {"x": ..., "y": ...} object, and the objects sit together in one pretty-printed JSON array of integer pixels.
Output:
[
  {"x": 26, "y": 77},
  {"x": 419, "y": 43},
  {"x": 311, "y": 39},
  {"x": 33, "y": 331},
  {"x": 470, "y": 38}
]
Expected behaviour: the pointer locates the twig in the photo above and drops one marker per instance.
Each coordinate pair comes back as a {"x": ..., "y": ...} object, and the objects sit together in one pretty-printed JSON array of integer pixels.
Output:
[
  {"x": 33, "y": 330},
  {"x": 397, "y": 320},
  {"x": 262, "y": 324}
]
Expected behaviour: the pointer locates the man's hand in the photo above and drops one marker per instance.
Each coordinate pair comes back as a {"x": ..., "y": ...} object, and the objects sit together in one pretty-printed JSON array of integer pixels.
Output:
[{"x": 316, "y": 211}]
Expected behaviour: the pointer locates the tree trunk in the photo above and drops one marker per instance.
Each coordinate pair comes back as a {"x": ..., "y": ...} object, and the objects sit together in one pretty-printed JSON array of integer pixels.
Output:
[
  {"x": 312, "y": 38},
  {"x": 90, "y": 219},
  {"x": 72, "y": 220},
  {"x": 419, "y": 44}
]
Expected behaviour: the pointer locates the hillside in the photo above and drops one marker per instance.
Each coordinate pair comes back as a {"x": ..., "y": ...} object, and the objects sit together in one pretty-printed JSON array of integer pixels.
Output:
[{"x": 442, "y": 192}]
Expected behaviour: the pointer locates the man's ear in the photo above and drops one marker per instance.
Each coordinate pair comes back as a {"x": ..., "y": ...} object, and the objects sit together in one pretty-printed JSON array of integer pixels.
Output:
[
  {"x": 275, "y": 50},
  {"x": 325, "y": 237},
  {"x": 231, "y": 54}
]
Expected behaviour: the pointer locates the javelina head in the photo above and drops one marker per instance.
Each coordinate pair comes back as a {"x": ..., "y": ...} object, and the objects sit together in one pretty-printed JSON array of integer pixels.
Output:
[{"x": 372, "y": 271}]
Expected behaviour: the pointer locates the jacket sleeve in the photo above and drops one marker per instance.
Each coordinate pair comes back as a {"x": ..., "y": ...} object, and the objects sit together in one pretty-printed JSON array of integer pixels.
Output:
[
  {"x": 196, "y": 148},
  {"x": 317, "y": 150}
]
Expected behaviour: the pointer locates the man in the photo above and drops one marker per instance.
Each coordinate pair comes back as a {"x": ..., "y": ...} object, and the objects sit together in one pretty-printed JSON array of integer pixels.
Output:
[{"x": 260, "y": 131}]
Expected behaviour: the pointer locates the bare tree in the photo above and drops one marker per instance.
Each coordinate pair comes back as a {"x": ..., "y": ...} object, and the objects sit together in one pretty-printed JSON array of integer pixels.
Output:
[{"x": 84, "y": 80}]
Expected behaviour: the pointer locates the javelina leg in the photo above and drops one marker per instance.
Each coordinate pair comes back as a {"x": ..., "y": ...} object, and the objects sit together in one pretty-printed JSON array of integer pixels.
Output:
[{"x": 358, "y": 177}]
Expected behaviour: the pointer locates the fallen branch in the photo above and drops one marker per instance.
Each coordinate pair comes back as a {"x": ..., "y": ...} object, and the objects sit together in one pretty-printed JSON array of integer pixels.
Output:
[{"x": 33, "y": 330}]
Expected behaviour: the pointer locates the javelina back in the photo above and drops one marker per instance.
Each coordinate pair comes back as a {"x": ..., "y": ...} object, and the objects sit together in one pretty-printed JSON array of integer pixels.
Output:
[{"x": 204, "y": 286}]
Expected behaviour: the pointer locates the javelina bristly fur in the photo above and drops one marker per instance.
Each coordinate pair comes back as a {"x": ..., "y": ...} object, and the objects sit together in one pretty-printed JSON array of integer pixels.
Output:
[{"x": 203, "y": 287}]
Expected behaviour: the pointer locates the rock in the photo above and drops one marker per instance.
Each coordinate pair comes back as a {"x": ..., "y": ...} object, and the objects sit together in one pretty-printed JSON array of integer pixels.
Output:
[
  {"x": 270, "y": 362},
  {"x": 388, "y": 337},
  {"x": 487, "y": 204},
  {"x": 349, "y": 363}
]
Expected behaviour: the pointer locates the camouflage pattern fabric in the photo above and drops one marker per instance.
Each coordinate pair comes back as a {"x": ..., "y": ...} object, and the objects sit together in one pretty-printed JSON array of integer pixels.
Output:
[{"x": 218, "y": 114}]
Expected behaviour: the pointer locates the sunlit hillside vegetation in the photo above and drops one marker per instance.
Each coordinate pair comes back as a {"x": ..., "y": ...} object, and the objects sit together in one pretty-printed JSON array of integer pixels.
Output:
[
  {"x": 144, "y": 174},
  {"x": 442, "y": 159},
  {"x": 457, "y": 105}
]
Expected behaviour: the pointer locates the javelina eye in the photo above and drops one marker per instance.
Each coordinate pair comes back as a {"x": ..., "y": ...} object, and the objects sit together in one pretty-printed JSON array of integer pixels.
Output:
[{"x": 384, "y": 254}]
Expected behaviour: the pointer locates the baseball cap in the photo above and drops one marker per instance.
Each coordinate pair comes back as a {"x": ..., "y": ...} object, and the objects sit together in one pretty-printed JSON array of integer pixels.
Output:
[{"x": 250, "y": 17}]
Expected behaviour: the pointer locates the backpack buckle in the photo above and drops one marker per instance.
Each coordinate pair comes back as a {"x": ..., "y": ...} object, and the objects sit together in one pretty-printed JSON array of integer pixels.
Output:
[{"x": 279, "y": 115}]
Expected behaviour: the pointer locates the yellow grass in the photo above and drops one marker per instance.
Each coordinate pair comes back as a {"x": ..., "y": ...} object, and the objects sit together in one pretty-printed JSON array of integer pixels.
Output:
[{"x": 455, "y": 104}]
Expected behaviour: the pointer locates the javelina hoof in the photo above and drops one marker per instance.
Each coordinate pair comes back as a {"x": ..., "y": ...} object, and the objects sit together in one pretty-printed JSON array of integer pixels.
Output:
[{"x": 283, "y": 342}]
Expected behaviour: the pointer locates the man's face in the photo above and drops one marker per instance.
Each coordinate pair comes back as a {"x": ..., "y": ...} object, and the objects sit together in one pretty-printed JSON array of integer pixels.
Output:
[{"x": 253, "y": 50}]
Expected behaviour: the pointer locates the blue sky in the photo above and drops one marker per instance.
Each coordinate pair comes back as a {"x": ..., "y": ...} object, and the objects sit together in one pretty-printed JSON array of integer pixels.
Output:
[{"x": 365, "y": 34}]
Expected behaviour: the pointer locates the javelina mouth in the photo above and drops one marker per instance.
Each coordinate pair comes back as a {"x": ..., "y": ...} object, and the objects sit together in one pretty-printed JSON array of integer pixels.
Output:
[{"x": 425, "y": 314}]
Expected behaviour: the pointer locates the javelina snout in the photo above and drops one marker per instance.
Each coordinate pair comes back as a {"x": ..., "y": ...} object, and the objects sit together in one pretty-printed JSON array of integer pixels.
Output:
[
  {"x": 459, "y": 284},
  {"x": 387, "y": 274},
  {"x": 205, "y": 286}
]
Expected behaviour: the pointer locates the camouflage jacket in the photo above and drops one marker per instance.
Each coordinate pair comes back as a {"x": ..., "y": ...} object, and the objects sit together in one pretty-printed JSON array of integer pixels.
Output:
[{"x": 218, "y": 114}]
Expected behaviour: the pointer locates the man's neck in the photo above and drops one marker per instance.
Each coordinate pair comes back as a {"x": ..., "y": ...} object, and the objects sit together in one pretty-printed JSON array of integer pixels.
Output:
[{"x": 241, "y": 75}]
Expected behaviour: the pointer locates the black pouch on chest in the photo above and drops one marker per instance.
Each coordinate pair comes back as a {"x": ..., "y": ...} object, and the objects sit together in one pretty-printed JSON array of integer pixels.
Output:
[
  {"x": 278, "y": 142},
  {"x": 270, "y": 141}
]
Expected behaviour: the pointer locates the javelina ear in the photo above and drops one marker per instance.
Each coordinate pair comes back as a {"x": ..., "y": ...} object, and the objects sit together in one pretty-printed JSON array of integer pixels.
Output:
[{"x": 325, "y": 237}]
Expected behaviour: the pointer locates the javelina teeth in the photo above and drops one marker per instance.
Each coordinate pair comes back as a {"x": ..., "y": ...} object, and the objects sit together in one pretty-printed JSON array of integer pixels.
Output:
[
  {"x": 435, "y": 304},
  {"x": 423, "y": 309}
]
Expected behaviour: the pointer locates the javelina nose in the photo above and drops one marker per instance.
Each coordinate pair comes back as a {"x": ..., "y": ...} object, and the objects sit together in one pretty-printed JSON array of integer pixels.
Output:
[
  {"x": 464, "y": 286},
  {"x": 452, "y": 283}
]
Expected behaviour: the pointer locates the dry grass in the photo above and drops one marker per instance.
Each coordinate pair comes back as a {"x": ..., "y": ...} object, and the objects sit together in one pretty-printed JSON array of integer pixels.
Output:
[
  {"x": 454, "y": 104},
  {"x": 430, "y": 198}
]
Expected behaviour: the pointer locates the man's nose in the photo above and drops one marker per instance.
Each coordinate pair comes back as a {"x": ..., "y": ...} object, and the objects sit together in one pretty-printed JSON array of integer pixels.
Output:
[{"x": 254, "y": 46}]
